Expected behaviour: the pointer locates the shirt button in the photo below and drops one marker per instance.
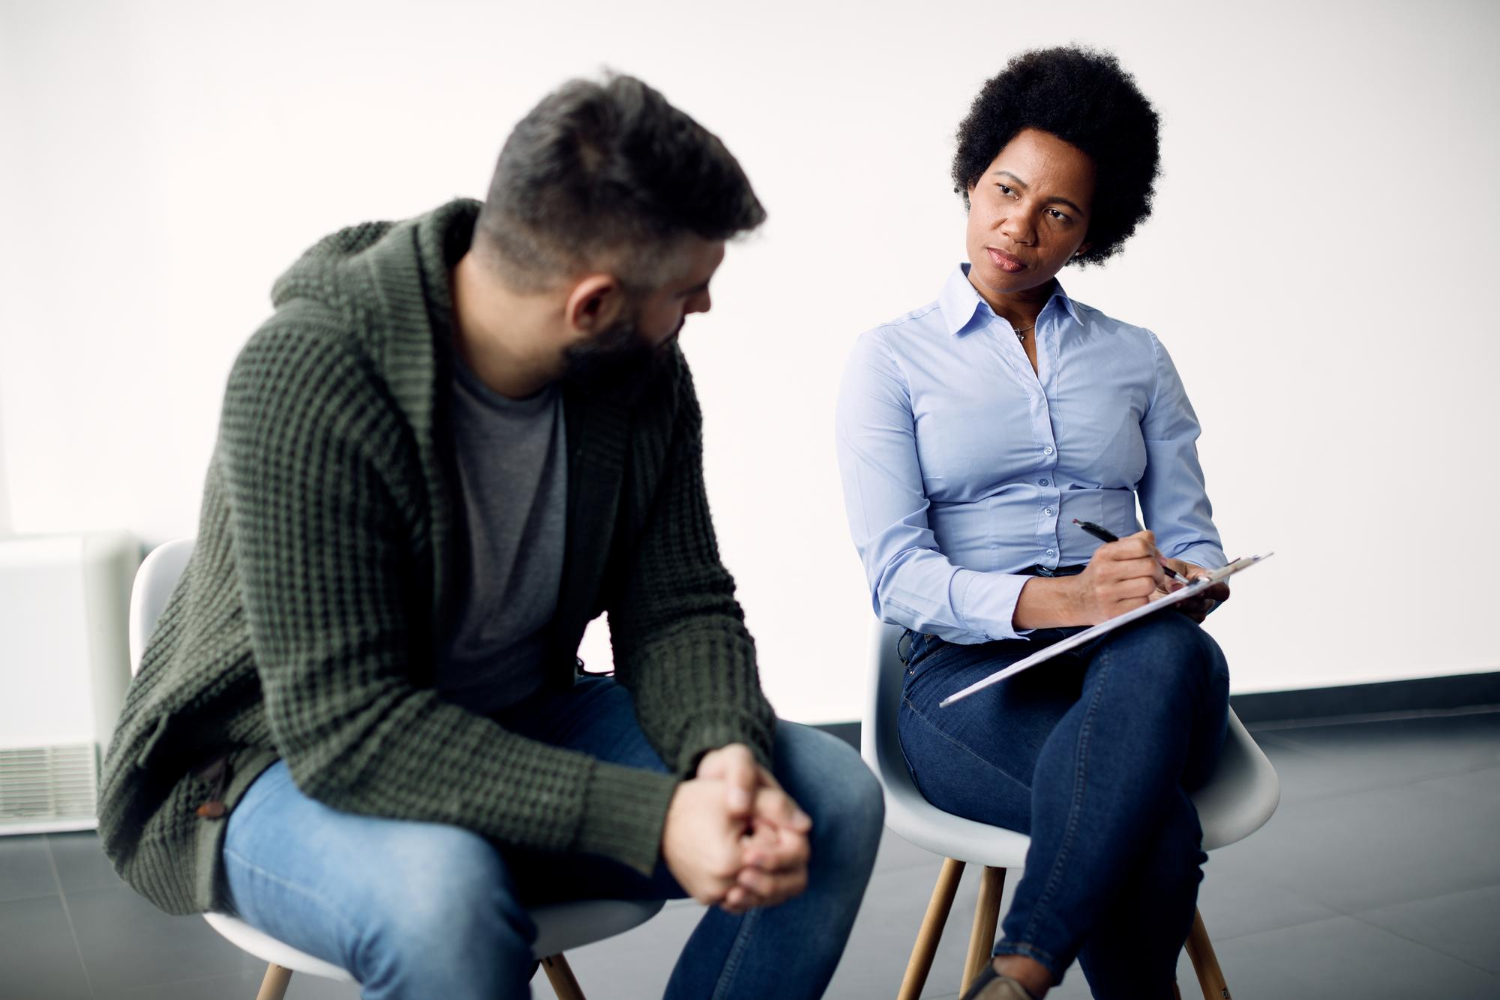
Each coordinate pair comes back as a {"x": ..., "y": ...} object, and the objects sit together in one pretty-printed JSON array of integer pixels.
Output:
[
  {"x": 1052, "y": 552},
  {"x": 1041, "y": 482},
  {"x": 1047, "y": 511},
  {"x": 1048, "y": 449}
]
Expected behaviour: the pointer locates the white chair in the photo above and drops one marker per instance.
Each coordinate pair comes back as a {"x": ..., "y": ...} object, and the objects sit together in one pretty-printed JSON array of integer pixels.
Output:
[
  {"x": 560, "y": 927},
  {"x": 1237, "y": 801}
]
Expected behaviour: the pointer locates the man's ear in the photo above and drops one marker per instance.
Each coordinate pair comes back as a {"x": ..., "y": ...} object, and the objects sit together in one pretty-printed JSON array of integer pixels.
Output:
[{"x": 595, "y": 303}]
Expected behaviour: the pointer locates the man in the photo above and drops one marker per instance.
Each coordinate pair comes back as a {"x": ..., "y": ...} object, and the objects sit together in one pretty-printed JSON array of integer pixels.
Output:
[{"x": 361, "y": 724}]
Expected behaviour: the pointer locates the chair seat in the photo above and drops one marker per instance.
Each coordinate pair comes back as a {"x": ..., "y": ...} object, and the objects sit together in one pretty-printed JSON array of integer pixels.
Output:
[
  {"x": 1237, "y": 801},
  {"x": 560, "y": 927},
  {"x": 266, "y": 948},
  {"x": 564, "y": 926},
  {"x": 1242, "y": 794},
  {"x": 924, "y": 824}
]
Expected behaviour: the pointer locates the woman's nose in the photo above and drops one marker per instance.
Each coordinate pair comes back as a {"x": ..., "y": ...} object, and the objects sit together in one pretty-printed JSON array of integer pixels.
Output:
[{"x": 1017, "y": 226}]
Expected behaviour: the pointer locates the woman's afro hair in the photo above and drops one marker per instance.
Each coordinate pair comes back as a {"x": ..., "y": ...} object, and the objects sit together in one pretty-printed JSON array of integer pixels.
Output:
[{"x": 1084, "y": 97}]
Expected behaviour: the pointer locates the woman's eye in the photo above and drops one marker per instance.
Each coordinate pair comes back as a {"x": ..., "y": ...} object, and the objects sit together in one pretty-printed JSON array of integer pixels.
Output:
[
  {"x": 1005, "y": 190},
  {"x": 1059, "y": 216}
]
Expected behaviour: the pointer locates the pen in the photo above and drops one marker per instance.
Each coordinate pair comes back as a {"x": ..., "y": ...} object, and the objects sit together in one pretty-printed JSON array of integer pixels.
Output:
[{"x": 1105, "y": 535}]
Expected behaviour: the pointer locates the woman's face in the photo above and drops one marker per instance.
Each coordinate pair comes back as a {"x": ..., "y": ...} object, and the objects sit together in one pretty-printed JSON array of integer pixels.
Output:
[{"x": 1028, "y": 213}]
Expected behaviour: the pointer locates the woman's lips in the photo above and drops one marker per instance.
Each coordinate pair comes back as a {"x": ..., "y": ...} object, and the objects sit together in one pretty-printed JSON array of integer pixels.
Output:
[{"x": 1005, "y": 262}]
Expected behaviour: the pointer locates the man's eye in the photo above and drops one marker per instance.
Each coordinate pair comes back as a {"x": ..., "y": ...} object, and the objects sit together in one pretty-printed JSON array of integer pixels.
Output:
[
  {"x": 1004, "y": 189},
  {"x": 1057, "y": 215}
]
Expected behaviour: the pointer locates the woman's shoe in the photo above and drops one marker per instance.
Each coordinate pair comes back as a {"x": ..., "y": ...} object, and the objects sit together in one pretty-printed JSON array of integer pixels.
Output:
[{"x": 991, "y": 985}]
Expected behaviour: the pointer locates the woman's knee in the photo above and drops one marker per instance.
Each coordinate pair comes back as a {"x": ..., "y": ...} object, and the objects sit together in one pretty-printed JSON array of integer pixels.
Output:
[{"x": 1175, "y": 650}]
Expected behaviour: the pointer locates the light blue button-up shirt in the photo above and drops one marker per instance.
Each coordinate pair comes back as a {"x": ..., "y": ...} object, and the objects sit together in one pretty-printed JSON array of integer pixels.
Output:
[{"x": 962, "y": 466}]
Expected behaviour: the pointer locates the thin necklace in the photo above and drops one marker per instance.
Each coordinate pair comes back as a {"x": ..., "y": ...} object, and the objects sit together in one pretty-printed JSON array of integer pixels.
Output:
[{"x": 1021, "y": 334}]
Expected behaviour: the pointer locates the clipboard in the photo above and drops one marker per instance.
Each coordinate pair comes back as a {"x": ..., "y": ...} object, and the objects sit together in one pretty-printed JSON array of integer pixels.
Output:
[{"x": 1090, "y": 634}]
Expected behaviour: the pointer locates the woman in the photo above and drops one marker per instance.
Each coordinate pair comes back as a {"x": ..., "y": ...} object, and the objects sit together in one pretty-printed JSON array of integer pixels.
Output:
[{"x": 972, "y": 433}]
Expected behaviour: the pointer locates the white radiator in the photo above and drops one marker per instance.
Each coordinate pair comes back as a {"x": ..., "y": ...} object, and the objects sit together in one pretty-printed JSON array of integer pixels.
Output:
[{"x": 64, "y": 667}]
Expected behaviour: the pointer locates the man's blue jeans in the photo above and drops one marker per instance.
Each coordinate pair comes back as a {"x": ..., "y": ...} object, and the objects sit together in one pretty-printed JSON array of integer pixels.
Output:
[
  {"x": 1092, "y": 754},
  {"x": 417, "y": 910}
]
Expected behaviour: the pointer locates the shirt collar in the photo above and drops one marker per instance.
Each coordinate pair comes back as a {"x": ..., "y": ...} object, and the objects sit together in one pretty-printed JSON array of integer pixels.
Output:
[
  {"x": 1063, "y": 300},
  {"x": 959, "y": 301}
]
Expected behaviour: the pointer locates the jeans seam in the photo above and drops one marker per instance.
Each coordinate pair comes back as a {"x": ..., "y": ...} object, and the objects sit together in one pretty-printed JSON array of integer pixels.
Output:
[
  {"x": 736, "y": 953},
  {"x": 1054, "y": 877},
  {"x": 960, "y": 745}
]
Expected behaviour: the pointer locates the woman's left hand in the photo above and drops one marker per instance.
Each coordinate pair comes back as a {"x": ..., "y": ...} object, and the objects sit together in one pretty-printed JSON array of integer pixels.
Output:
[{"x": 1197, "y": 608}]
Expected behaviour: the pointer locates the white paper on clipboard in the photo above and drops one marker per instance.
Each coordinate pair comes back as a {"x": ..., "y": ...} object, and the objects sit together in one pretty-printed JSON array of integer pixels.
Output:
[{"x": 1090, "y": 634}]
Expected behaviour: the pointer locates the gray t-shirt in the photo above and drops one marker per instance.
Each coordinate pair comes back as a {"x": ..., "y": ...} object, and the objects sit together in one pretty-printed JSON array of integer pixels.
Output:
[{"x": 513, "y": 474}]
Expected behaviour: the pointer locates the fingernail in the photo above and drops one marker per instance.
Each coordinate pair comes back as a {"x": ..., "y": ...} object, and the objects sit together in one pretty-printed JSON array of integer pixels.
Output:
[{"x": 739, "y": 798}]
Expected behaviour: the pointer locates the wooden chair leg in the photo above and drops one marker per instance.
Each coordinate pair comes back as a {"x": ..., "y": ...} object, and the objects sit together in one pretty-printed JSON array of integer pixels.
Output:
[
  {"x": 932, "y": 930},
  {"x": 561, "y": 977},
  {"x": 1201, "y": 951},
  {"x": 986, "y": 916},
  {"x": 273, "y": 987}
]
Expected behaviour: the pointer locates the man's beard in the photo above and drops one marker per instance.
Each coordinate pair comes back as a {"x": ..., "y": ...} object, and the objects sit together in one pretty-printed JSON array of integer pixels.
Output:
[{"x": 616, "y": 358}]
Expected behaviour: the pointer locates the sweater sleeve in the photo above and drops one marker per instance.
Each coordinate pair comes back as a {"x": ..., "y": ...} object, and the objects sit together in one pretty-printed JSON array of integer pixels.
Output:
[
  {"x": 331, "y": 558},
  {"x": 679, "y": 636}
]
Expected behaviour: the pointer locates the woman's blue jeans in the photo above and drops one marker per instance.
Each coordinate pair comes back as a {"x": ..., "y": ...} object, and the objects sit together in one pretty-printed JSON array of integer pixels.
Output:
[
  {"x": 420, "y": 910},
  {"x": 1093, "y": 754}
]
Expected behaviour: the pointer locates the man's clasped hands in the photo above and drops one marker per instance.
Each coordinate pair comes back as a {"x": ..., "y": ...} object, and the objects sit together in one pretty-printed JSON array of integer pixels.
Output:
[{"x": 733, "y": 838}]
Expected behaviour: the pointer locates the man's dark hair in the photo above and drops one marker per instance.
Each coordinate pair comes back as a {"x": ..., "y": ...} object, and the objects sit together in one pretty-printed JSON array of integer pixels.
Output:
[
  {"x": 608, "y": 174},
  {"x": 1085, "y": 98}
]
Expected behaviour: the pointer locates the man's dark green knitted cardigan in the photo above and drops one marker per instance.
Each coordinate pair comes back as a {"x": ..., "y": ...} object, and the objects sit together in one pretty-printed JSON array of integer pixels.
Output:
[{"x": 309, "y": 621}]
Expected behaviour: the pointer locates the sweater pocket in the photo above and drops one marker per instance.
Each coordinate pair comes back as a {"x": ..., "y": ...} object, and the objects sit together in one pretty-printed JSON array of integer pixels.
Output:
[
  {"x": 163, "y": 758},
  {"x": 154, "y": 743}
]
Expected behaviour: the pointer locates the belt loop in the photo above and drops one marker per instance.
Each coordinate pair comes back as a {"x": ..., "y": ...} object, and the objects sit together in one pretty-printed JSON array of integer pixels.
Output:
[{"x": 903, "y": 647}]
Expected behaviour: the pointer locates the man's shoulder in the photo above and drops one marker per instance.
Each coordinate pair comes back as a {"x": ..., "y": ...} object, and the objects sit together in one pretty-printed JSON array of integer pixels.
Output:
[
  {"x": 306, "y": 353},
  {"x": 309, "y": 326}
]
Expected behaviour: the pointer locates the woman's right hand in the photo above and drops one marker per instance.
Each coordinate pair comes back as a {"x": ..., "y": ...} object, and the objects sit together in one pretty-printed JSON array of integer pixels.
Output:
[{"x": 1121, "y": 575}]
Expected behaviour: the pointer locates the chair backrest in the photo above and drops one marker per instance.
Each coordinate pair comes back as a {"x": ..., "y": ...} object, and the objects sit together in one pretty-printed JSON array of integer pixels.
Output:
[
  {"x": 154, "y": 583},
  {"x": 879, "y": 741},
  {"x": 906, "y": 811}
]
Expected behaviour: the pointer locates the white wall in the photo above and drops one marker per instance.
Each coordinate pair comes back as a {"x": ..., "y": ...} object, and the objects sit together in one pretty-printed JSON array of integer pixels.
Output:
[
  {"x": 4, "y": 489},
  {"x": 1319, "y": 265}
]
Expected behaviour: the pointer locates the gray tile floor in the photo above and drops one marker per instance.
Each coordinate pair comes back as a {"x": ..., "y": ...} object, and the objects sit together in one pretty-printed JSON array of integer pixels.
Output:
[{"x": 1378, "y": 877}]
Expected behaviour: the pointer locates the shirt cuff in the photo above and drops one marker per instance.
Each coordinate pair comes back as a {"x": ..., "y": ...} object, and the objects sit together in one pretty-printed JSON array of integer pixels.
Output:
[
  {"x": 986, "y": 602},
  {"x": 1206, "y": 555}
]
